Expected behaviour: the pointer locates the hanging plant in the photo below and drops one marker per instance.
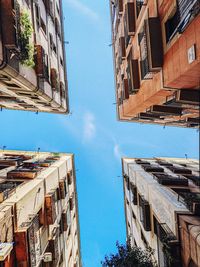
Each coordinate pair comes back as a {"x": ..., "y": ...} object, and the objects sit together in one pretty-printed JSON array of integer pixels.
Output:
[{"x": 27, "y": 49}]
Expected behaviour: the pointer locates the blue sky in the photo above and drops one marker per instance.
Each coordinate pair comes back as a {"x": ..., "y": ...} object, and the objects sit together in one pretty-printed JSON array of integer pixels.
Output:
[{"x": 92, "y": 132}]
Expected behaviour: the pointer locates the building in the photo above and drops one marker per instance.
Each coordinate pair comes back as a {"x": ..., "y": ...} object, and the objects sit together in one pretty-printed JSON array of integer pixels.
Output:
[
  {"x": 156, "y": 49},
  {"x": 162, "y": 208},
  {"x": 39, "y": 223},
  {"x": 32, "y": 56}
]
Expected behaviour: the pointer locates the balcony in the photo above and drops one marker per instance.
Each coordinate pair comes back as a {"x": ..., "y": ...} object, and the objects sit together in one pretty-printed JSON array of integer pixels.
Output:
[
  {"x": 6, "y": 189},
  {"x": 190, "y": 199},
  {"x": 153, "y": 169},
  {"x": 168, "y": 245},
  {"x": 151, "y": 50},
  {"x": 178, "y": 170},
  {"x": 186, "y": 11},
  {"x": 194, "y": 178},
  {"x": 166, "y": 179},
  {"x": 164, "y": 110},
  {"x": 23, "y": 173}
]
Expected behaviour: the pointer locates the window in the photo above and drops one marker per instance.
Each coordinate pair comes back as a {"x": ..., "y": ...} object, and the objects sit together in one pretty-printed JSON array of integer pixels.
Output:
[
  {"x": 43, "y": 26},
  {"x": 37, "y": 16},
  {"x": 139, "y": 5},
  {"x": 170, "y": 26},
  {"x": 145, "y": 213},
  {"x": 179, "y": 20},
  {"x": 132, "y": 74},
  {"x": 144, "y": 239},
  {"x": 129, "y": 22},
  {"x": 151, "y": 50},
  {"x": 134, "y": 194}
]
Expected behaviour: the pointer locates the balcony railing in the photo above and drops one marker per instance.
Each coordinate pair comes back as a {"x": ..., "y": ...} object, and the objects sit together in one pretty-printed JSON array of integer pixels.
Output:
[
  {"x": 187, "y": 10},
  {"x": 192, "y": 201}
]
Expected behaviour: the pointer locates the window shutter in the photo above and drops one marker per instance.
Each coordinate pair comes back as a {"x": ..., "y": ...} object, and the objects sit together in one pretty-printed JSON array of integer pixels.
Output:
[
  {"x": 54, "y": 248},
  {"x": 120, "y": 6},
  {"x": 147, "y": 220},
  {"x": 71, "y": 203},
  {"x": 62, "y": 90},
  {"x": 27, "y": 238},
  {"x": 125, "y": 89},
  {"x": 122, "y": 47},
  {"x": 134, "y": 193},
  {"x": 69, "y": 177},
  {"x": 50, "y": 205},
  {"x": 10, "y": 23},
  {"x": 145, "y": 214},
  {"x": 151, "y": 50},
  {"x": 54, "y": 79},
  {"x": 129, "y": 22},
  {"x": 133, "y": 74},
  {"x": 64, "y": 221},
  {"x": 39, "y": 60},
  {"x": 63, "y": 189}
]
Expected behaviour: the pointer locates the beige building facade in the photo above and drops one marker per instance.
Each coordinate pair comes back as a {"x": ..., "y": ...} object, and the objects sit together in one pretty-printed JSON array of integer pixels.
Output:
[
  {"x": 39, "y": 223},
  {"x": 32, "y": 56},
  {"x": 162, "y": 208}
]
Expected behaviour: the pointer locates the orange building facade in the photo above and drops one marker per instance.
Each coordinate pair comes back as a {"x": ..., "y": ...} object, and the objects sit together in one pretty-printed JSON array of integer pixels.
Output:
[{"x": 156, "y": 47}]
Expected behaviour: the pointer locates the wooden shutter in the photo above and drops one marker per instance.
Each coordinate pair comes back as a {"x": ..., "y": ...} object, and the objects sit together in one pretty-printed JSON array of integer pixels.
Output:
[
  {"x": 63, "y": 189},
  {"x": 64, "y": 221},
  {"x": 54, "y": 79},
  {"x": 50, "y": 205},
  {"x": 39, "y": 60},
  {"x": 122, "y": 47},
  {"x": 69, "y": 177},
  {"x": 71, "y": 203},
  {"x": 62, "y": 90},
  {"x": 134, "y": 193},
  {"x": 125, "y": 87},
  {"x": 10, "y": 16},
  {"x": 145, "y": 213},
  {"x": 54, "y": 248},
  {"x": 120, "y": 6},
  {"x": 27, "y": 238},
  {"x": 130, "y": 18},
  {"x": 133, "y": 74}
]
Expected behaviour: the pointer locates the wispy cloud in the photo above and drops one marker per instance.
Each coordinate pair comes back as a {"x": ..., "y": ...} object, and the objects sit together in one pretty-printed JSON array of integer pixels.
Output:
[
  {"x": 117, "y": 152},
  {"x": 89, "y": 129},
  {"x": 83, "y": 9}
]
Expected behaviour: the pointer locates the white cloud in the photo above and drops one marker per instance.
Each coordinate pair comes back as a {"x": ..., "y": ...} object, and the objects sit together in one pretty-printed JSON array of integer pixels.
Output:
[
  {"x": 89, "y": 130},
  {"x": 83, "y": 9},
  {"x": 117, "y": 152}
]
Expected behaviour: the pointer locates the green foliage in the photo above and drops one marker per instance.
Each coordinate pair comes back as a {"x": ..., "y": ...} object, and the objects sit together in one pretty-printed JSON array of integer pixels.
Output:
[
  {"x": 128, "y": 256},
  {"x": 27, "y": 49}
]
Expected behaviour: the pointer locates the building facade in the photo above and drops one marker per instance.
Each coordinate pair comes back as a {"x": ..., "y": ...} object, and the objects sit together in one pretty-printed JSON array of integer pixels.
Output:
[
  {"x": 39, "y": 223},
  {"x": 32, "y": 56},
  {"x": 156, "y": 50},
  {"x": 162, "y": 208}
]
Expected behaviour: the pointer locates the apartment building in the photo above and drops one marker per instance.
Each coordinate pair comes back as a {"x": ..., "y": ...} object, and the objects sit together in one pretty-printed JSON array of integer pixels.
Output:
[
  {"x": 32, "y": 56},
  {"x": 39, "y": 223},
  {"x": 156, "y": 50},
  {"x": 162, "y": 208}
]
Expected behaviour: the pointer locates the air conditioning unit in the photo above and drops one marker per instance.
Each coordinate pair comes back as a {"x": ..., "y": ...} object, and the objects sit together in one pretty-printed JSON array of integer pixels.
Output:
[{"x": 47, "y": 257}]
